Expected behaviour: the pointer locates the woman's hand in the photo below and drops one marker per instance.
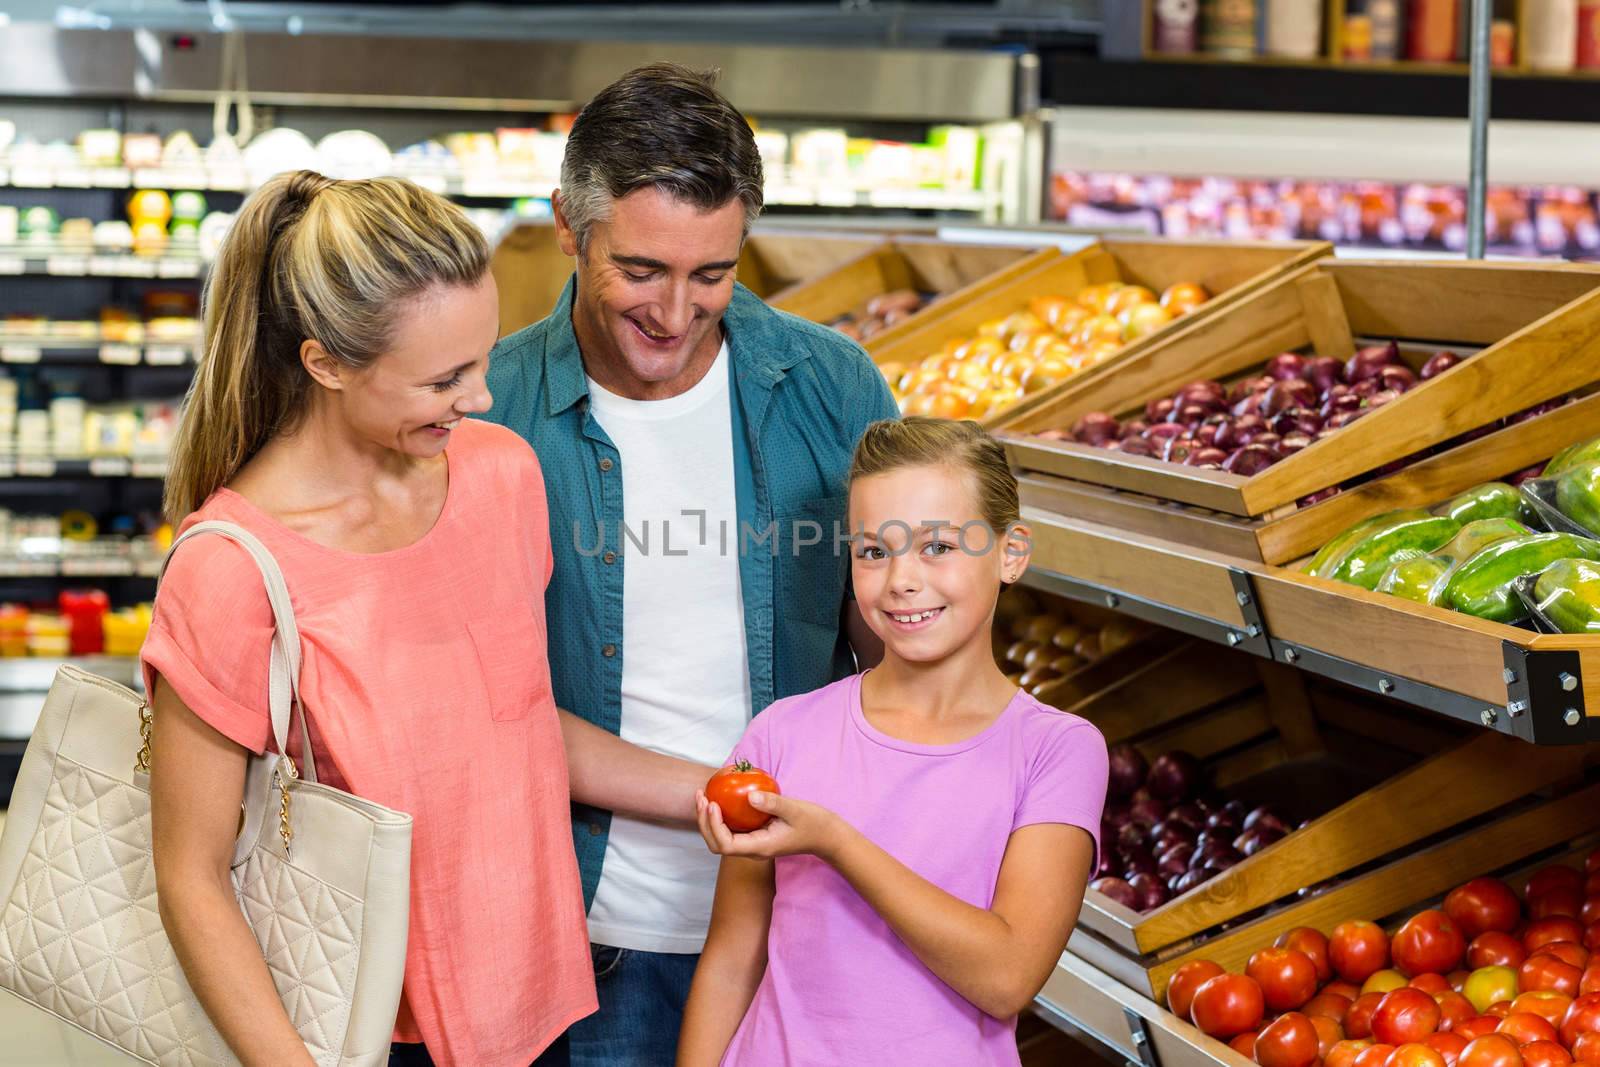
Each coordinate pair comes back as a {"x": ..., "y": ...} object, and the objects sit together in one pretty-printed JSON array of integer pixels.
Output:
[{"x": 797, "y": 827}]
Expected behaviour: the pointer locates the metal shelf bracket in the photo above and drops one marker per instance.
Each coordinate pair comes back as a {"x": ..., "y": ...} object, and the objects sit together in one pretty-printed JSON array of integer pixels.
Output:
[
  {"x": 1252, "y": 637},
  {"x": 1544, "y": 697},
  {"x": 1139, "y": 1030}
]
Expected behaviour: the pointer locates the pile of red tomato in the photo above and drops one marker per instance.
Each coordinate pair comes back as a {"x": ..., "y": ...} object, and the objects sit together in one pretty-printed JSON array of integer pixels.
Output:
[{"x": 1484, "y": 982}]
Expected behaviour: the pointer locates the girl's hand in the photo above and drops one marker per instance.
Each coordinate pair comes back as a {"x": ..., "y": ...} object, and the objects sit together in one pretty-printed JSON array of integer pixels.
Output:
[{"x": 797, "y": 827}]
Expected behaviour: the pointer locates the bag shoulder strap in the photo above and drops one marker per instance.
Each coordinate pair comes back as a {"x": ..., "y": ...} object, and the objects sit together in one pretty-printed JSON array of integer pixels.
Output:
[{"x": 284, "y": 677}]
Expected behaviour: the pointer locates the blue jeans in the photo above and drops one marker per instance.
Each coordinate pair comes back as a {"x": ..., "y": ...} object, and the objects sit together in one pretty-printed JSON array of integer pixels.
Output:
[
  {"x": 417, "y": 1055},
  {"x": 642, "y": 995}
]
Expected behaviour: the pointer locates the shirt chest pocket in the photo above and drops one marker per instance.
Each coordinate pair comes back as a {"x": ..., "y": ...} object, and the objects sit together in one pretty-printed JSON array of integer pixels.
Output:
[
  {"x": 513, "y": 663},
  {"x": 813, "y": 559}
]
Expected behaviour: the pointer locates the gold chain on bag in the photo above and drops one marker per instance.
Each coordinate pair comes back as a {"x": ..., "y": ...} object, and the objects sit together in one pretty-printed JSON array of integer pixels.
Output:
[
  {"x": 141, "y": 763},
  {"x": 284, "y": 830}
]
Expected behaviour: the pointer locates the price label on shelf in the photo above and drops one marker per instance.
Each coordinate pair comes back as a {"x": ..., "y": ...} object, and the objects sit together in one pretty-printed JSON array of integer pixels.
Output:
[
  {"x": 36, "y": 467},
  {"x": 149, "y": 468},
  {"x": 135, "y": 267},
  {"x": 178, "y": 268},
  {"x": 110, "y": 467},
  {"x": 166, "y": 355},
  {"x": 96, "y": 568},
  {"x": 20, "y": 353},
  {"x": 119, "y": 355},
  {"x": 67, "y": 266},
  {"x": 27, "y": 568},
  {"x": 105, "y": 266},
  {"x": 75, "y": 178},
  {"x": 32, "y": 177},
  {"x": 112, "y": 178}
]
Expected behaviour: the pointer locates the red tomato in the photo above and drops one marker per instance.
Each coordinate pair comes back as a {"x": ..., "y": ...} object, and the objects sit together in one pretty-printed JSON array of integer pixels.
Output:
[
  {"x": 1587, "y": 1048},
  {"x": 1313, "y": 943},
  {"x": 1405, "y": 1016},
  {"x": 1548, "y": 1005},
  {"x": 1447, "y": 1045},
  {"x": 1430, "y": 983},
  {"x": 1590, "y": 982},
  {"x": 1331, "y": 1005},
  {"x": 1559, "y": 901},
  {"x": 1544, "y": 1054},
  {"x": 1481, "y": 905},
  {"x": 1453, "y": 1008},
  {"x": 1345, "y": 1052},
  {"x": 1541, "y": 932},
  {"x": 1524, "y": 1026},
  {"x": 1582, "y": 1017},
  {"x": 1244, "y": 1044},
  {"x": 1374, "y": 1056},
  {"x": 1570, "y": 951},
  {"x": 1545, "y": 970},
  {"x": 1287, "y": 977},
  {"x": 1185, "y": 980},
  {"x": 1495, "y": 949},
  {"x": 1329, "y": 1034},
  {"x": 1429, "y": 941},
  {"x": 1589, "y": 914},
  {"x": 1553, "y": 877},
  {"x": 1473, "y": 1029},
  {"x": 1343, "y": 988},
  {"x": 730, "y": 789},
  {"x": 1227, "y": 1005},
  {"x": 1290, "y": 1040},
  {"x": 1498, "y": 1011},
  {"x": 1358, "y": 1020},
  {"x": 1491, "y": 1050},
  {"x": 1416, "y": 1055},
  {"x": 1358, "y": 950}
]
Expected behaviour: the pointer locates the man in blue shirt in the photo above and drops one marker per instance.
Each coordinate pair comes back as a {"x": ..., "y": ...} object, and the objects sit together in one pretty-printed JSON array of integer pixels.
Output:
[{"x": 695, "y": 445}]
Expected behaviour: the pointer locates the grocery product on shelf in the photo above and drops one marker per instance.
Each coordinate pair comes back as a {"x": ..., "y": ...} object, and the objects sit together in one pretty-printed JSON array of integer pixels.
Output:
[{"x": 1044, "y": 344}]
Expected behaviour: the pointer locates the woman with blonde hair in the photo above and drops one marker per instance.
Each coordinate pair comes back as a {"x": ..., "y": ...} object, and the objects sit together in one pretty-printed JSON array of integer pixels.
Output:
[{"x": 347, "y": 334}]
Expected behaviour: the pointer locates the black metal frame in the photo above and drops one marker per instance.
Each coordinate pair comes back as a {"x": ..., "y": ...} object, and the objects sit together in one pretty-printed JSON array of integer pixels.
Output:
[{"x": 1252, "y": 637}]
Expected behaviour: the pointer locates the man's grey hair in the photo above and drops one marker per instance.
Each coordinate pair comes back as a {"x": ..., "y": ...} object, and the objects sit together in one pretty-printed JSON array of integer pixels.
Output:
[{"x": 664, "y": 126}]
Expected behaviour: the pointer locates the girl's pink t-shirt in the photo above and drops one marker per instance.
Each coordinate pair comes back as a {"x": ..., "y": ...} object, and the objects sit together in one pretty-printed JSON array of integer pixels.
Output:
[
  {"x": 840, "y": 986},
  {"x": 427, "y": 689}
]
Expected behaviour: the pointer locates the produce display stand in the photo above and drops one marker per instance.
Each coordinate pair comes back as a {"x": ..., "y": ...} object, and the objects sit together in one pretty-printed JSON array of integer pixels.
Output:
[
  {"x": 1229, "y": 271},
  {"x": 943, "y": 270},
  {"x": 1540, "y": 688},
  {"x": 772, "y": 262},
  {"x": 1535, "y": 325}
]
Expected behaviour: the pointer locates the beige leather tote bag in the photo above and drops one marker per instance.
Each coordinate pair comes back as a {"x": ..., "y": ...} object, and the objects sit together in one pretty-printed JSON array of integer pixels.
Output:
[{"x": 322, "y": 877}]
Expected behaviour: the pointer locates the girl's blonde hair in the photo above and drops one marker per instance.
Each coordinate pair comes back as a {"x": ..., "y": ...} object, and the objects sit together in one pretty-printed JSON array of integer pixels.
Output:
[
  {"x": 307, "y": 258},
  {"x": 920, "y": 441}
]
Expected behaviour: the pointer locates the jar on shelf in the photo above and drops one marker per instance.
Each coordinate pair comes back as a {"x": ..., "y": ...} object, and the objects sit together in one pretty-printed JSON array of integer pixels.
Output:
[
  {"x": 1386, "y": 16},
  {"x": 1432, "y": 36},
  {"x": 1177, "y": 26},
  {"x": 1589, "y": 34},
  {"x": 1228, "y": 28},
  {"x": 1294, "y": 28},
  {"x": 1551, "y": 28}
]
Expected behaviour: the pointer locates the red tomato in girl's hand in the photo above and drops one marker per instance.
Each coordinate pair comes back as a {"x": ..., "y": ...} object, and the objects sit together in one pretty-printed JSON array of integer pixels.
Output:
[
  {"x": 1290, "y": 1040},
  {"x": 1227, "y": 1005},
  {"x": 730, "y": 790}
]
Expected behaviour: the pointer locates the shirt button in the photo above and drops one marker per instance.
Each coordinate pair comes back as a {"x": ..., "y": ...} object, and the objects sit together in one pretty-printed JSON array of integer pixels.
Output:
[
  {"x": 610, "y": 557},
  {"x": 594, "y": 829},
  {"x": 605, "y": 463},
  {"x": 609, "y": 651}
]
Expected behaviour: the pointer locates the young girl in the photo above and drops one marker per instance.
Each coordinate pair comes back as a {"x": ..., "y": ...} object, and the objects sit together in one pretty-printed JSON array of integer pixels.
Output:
[{"x": 928, "y": 856}]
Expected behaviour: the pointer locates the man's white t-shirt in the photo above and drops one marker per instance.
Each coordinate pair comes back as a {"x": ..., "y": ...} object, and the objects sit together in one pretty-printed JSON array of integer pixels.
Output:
[{"x": 685, "y": 674}]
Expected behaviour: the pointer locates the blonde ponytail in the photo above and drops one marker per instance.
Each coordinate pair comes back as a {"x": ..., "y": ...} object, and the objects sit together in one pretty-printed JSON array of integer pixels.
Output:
[{"x": 307, "y": 258}]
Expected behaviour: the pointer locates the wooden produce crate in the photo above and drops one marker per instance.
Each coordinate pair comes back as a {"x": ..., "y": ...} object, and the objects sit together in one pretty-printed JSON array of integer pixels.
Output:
[
  {"x": 1365, "y": 797},
  {"x": 1557, "y": 826},
  {"x": 1227, "y": 270},
  {"x": 940, "y": 270},
  {"x": 1027, "y": 618},
  {"x": 1392, "y": 796},
  {"x": 1534, "y": 323},
  {"x": 772, "y": 262},
  {"x": 1299, "y": 531}
]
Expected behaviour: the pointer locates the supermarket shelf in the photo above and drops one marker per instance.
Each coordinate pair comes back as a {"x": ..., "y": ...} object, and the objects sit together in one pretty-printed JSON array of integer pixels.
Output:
[
  {"x": 62, "y": 263},
  {"x": 18, "y": 350},
  {"x": 82, "y": 467},
  {"x": 23, "y": 684},
  {"x": 1529, "y": 686},
  {"x": 494, "y": 187},
  {"x": 79, "y": 567}
]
